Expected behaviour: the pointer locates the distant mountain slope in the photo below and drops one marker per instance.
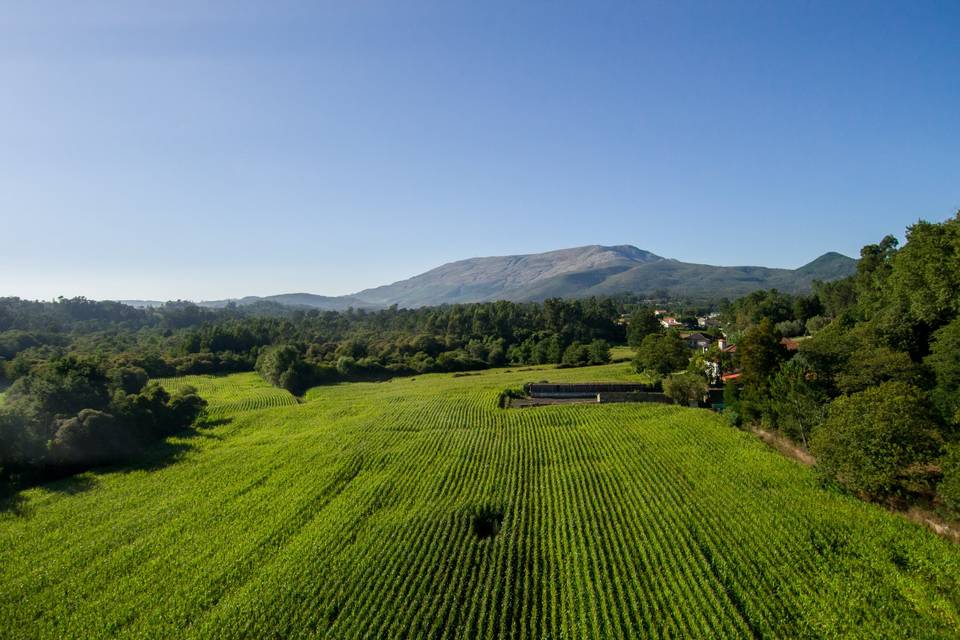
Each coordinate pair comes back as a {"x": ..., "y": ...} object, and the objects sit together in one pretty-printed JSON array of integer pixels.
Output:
[
  {"x": 829, "y": 266},
  {"x": 332, "y": 303},
  {"x": 502, "y": 276},
  {"x": 594, "y": 270},
  {"x": 567, "y": 273}
]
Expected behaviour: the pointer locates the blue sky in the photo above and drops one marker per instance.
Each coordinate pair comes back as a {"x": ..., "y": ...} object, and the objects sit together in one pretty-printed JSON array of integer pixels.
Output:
[{"x": 209, "y": 150}]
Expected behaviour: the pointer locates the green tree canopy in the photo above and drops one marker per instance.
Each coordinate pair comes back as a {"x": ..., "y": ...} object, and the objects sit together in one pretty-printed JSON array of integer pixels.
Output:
[
  {"x": 684, "y": 388},
  {"x": 642, "y": 323},
  {"x": 871, "y": 438},
  {"x": 662, "y": 352}
]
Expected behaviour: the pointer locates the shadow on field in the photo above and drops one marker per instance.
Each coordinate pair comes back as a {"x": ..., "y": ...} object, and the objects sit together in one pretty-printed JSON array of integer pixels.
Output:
[
  {"x": 75, "y": 480},
  {"x": 11, "y": 503},
  {"x": 71, "y": 485}
]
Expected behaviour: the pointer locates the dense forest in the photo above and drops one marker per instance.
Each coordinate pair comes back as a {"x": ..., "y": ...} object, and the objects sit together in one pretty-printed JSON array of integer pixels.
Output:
[{"x": 872, "y": 388}]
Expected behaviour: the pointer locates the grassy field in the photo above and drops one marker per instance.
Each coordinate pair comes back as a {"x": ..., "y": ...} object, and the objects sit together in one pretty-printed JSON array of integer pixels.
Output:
[
  {"x": 417, "y": 508},
  {"x": 621, "y": 353}
]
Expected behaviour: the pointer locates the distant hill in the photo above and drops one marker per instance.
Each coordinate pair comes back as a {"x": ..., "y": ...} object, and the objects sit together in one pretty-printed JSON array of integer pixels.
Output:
[
  {"x": 506, "y": 277},
  {"x": 333, "y": 303},
  {"x": 566, "y": 273},
  {"x": 594, "y": 270}
]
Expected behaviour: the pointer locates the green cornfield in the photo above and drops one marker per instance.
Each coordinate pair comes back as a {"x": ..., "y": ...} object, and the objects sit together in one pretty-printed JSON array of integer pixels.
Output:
[{"x": 417, "y": 508}]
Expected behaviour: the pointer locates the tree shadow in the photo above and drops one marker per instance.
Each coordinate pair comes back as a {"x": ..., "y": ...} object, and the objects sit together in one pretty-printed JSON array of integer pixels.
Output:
[
  {"x": 79, "y": 479},
  {"x": 71, "y": 485},
  {"x": 12, "y": 502}
]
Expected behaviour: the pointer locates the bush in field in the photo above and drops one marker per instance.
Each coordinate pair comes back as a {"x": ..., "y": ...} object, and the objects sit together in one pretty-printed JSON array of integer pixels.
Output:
[
  {"x": 870, "y": 439},
  {"x": 685, "y": 388},
  {"x": 283, "y": 367},
  {"x": 90, "y": 438},
  {"x": 599, "y": 352},
  {"x": 576, "y": 355}
]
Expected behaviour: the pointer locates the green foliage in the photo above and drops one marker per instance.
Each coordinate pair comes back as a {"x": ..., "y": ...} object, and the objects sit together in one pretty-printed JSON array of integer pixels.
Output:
[
  {"x": 797, "y": 403},
  {"x": 944, "y": 362},
  {"x": 283, "y": 367},
  {"x": 949, "y": 487},
  {"x": 72, "y": 413},
  {"x": 815, "y": 324},
  {"x": 791, "y": 328},
  {"x": 90, "y": 438},
  {"x": 662, "y": 353},
  {"x": 641, "y": 324},
  {"x": 685, "y": 388},
  {"x": 926, "y": 273},
  {"x": 760, "y": 354},
  {"x": 871, "y": 439},
  {"x": 578, "y": 355}
]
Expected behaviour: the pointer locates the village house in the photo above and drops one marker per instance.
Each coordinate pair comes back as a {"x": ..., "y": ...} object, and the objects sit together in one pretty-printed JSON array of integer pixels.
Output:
[
  {"x": 697, "y": 340},
  {"x": 710, "y": 320},
  {"x": 670, "y": 323}
]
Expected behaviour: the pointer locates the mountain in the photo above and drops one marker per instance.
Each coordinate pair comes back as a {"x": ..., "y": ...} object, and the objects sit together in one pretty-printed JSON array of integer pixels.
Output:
[
  {"x": 829, "y": 266},
  {"x": 332, "y": 303},
  {"x": 566, "y": 273},
  {"x": 594, "y": 270},
  {"x": 505, "y": 277}
]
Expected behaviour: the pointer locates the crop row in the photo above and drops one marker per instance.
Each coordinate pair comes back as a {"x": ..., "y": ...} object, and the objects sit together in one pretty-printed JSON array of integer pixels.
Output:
[{"x": 418, "y": 508}]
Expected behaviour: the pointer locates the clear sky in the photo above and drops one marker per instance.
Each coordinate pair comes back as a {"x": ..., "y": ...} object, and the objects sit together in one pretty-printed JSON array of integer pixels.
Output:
[{"x": 207, "y": 150}]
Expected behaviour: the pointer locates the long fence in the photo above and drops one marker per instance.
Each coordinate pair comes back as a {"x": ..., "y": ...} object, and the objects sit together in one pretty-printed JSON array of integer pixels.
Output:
[{"x": 584, "y": 389}]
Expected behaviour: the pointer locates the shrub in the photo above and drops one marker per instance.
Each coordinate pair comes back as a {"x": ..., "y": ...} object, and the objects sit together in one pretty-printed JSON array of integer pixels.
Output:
[
  {"x": 949, "y": 487},
  {"x": 869, "y": 439},
  {"x": 685, "y": 388},
  {"x": 91, "y": 437}
]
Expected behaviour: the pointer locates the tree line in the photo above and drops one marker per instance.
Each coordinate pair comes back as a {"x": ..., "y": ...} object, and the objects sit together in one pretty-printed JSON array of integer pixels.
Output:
[
  {"x": 873, "y": 387},
  {"x": 77, "y": 373}
]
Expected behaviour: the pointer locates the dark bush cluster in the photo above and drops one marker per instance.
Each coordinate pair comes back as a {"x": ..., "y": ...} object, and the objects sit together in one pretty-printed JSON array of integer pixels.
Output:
[{"x": 73, "y": 413}]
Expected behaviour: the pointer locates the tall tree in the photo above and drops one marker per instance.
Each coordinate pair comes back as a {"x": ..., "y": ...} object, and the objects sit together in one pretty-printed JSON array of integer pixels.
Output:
[{"x": 642, "y": 323}]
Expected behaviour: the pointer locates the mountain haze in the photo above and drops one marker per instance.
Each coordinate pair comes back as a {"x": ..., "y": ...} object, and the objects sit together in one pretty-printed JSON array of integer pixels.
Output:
[
  {"x": 594, "y": 270},
  {"x": 503, "y": 277},
  {"x": 569, "y": 273}
]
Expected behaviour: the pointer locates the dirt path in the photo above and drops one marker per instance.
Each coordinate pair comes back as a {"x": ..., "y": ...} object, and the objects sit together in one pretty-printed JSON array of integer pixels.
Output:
[
  {"x": 925, "y": 517},
  {"x": 785, "y": 446}
]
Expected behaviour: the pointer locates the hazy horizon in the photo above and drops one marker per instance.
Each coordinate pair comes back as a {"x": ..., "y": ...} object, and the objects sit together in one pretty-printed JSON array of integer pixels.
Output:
[{"x": 244, "y": 148}]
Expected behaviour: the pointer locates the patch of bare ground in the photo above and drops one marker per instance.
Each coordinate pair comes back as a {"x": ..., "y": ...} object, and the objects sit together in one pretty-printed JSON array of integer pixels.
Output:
[
  {"x": 932, "y": 521},
  {"x": 785, "y": 446},
  {"x": 921, "y": 515}
]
